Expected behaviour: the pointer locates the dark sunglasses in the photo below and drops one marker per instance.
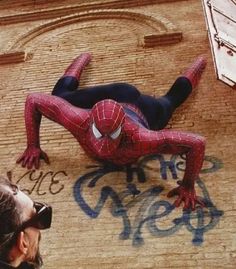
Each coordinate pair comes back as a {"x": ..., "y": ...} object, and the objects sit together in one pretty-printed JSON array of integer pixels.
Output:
[{"x": 41, "y": 220}]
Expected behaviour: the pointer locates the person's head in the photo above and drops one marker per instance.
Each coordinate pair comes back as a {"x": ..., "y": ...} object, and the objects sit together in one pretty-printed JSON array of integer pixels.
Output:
[
  {"x": 21, "y": 220},
  {"x": 107, "y": 119}
]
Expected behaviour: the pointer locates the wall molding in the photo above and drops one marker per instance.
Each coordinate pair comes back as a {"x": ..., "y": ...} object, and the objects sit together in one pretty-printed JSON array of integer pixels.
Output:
[{"x": 50, "y": 13}]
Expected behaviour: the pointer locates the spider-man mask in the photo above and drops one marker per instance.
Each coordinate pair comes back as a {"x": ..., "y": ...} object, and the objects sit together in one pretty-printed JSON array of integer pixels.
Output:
[{"x": 107, "y": 119}]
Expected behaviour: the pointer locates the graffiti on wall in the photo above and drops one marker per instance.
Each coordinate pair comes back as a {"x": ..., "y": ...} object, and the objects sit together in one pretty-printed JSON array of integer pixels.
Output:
[
  {"x": 55, "y": 181},
  {"x": 150, "y": 202},
  {"x": 151, "y": 208}
]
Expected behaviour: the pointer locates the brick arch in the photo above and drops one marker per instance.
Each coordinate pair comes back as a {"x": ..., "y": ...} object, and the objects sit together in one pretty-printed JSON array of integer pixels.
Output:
[{"x": 159, "y": 30}]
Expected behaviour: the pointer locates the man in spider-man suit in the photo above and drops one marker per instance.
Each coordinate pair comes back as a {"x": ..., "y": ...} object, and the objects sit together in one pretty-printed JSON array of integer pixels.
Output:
[{"x": 116, "y": 123}]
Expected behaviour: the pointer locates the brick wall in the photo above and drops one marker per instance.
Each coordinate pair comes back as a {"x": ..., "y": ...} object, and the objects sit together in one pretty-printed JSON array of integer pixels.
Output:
[{"x": 36, "y": 48}]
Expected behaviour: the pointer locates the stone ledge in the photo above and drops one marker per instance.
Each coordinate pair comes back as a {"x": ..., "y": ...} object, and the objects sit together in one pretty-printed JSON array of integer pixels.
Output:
[
  {"x": 162, "y": 39},
  {"x": 14, "y": 57}
]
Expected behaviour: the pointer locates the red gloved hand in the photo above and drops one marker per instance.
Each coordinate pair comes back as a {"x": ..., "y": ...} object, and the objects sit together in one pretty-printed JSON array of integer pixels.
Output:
[
  {"x": 188, "y": 196},
  {"x": 31, "y": 157}
]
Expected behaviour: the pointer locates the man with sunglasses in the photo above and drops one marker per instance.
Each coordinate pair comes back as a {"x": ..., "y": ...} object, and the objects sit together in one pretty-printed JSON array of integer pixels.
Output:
[{"x": 21, "y": 220}]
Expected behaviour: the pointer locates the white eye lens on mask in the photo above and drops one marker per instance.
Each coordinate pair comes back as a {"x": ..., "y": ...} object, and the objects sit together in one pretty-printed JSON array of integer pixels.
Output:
[
  {"x": 96, "y": 133},
  {"x": 115, "y": 134}
]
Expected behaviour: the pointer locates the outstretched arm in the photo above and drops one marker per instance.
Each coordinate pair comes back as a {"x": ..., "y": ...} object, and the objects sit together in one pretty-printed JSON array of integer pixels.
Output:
[
  {"x": 54, "y": 108},
  {"x": 175, "y": 142}
]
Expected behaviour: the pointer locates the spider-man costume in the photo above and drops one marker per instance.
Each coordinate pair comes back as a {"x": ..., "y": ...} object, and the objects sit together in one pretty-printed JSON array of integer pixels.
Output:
[{"x": 116, "y": 123}]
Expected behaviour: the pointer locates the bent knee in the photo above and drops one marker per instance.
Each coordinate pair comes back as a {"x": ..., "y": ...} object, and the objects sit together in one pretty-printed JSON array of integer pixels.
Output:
[
  {"x": 65, "y": 84},
  {"x": 126, "y": 91},
  {"x": 127, "y": 86}
]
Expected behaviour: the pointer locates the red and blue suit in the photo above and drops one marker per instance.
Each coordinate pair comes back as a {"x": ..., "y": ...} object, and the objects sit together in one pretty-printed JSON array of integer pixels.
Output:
[{"x": 118, "y": 124}]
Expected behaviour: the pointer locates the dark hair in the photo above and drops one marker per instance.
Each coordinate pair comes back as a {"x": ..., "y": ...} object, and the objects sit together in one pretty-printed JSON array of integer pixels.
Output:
[{"x": 10, "y": 217}]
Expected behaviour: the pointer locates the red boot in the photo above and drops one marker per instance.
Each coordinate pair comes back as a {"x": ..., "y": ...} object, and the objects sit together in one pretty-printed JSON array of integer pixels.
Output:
[
  {"x": 194, "y": 72},
  {"x": 77, "y": 66}
]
